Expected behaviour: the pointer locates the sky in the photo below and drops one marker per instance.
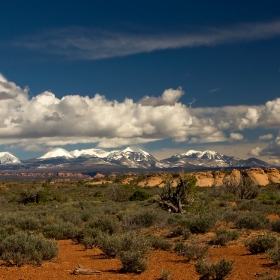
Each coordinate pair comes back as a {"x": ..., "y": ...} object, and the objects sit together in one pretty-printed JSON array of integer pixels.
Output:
[{"x": 166, "y": 76}]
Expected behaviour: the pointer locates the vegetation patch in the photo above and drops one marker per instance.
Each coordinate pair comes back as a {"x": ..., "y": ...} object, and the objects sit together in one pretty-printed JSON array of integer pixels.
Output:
[{"x": 22, "y": 248}]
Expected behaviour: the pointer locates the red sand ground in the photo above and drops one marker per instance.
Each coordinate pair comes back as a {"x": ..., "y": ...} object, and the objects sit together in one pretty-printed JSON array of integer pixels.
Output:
[{"x": 246, "y": 266}]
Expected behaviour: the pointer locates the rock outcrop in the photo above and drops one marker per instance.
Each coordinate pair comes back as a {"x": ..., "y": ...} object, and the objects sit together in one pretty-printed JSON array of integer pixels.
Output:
[{"x": 261, "y": 177}]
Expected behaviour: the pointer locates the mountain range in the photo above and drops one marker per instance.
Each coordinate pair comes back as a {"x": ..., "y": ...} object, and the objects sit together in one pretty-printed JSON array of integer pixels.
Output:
[{"x": 129, "y": 158}]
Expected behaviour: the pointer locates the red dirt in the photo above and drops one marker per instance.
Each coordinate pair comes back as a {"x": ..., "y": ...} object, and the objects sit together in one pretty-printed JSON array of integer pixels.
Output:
[{"x": 246, "y": 266}]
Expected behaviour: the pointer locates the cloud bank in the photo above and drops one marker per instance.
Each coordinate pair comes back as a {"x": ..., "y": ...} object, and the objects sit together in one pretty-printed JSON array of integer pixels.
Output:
[
  {"x": 91, "y": 44},
  {"x": 45, "y": 120}
]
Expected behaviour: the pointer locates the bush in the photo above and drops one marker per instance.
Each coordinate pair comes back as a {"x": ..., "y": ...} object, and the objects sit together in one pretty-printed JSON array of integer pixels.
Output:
[
  {"x": 224, "y": 236},
  {"x": 165, "y": 274},
  {"x": 158, "y": 242},
  {"x": 217, "y": 271},
  {"x": 191, "y": 251},
  {"x": 119, "y": 193},
  {"x": 248, "y": 205},
  {"x": 27, "y": 223},
  {"x": 133, "y": 252},
  {"x": 109, "y": 244},
  {"x": 201, "y": 224},
  {"x": 22, "y": 248},
  {"x": 132, "y": 261},
  {"x": 139, "y": 195},
  {"x": 180, "y": 231},
  {"x": 260, "y": 244},
  {"x": 106, "y": 224},
  {"x": 37, "y": 195},
  {"x": 130, "y": 248},
  {"x": 5, "y": 232},
  {"x": 60, "y": 230},
  {"x": 252, "y": 221},
  {"x": 274, "y": 254},
  {"x": 276, "y": 225},
  {"x": 139, "y": 220},
  {"x": 88, "y": 237}
]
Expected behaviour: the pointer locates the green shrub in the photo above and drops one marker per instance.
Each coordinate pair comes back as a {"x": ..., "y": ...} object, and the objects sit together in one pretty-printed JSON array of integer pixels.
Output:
[
  {"x": 216, "y": 271},
  {"x": 139, "y": 195},
  {"x": 22, "y": 248},
  {"x": 260, "y": 244},
  {"x": 118, "y": 193},
  {"x": 132, "y": 261},
  {"x": 201, "y": 224},
  {"x": 130, "y": 248},
  {"x": 180, "y": 231},
  {"x": 274, "y": 254},
  {"x": 276, "y": 225},
  {"x": 158, "y": 242},
  {"x": 165, "y": 274},
  {"x": 73, "y": 217},
  {"x": 109, "y": 244},
  {"x": 191, "y": 251},
  {"x": 5, "y": 232},
  {"x": 248, "y": 205},
  {"x": 88, "y": 237},
  {"x": 37, "y": 195},
  {"x": 230, "y": 216},
  {"x": 252, "y": 221},
  {"x": 105, "y": 224},
  {"x": 27, "y": 222},
  {"x": 60, "y": 230},
  {"x": 224, "y": 236},
  {"x": 133, "y": 252},
  {"x": 142, "y": 219}
]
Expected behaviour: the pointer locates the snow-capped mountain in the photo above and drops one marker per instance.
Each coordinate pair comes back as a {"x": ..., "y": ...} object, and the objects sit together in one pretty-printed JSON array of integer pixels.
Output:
[
  {"x": 211, "y": 159},
  {"x": 134, "y": 158},
  {"x": 7, "y": 158},
  {"x": 200, "y": 154},
  {"x": 90, "y": 153},
  {"x": 130, "y": 157},
  {"x": 57, "y": 153}
]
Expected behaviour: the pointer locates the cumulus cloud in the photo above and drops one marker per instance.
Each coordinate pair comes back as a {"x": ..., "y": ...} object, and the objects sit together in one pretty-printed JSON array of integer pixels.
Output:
[
  {"x": 272, "y": 149},
  {"x": 255, "y": 152},
  {"x": 169, "y": 97},
  {"x": 266, "y": 137},
  {"x": 236, "y": 136},
  {"x": 45, "y": 120},
  {"x": 91, "y": 44}
]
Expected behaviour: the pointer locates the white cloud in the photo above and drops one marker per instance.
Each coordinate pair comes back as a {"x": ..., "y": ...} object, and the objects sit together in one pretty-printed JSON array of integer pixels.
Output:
[
  {"x": 45, "y": 120},
  {"x": 266, "y": 137},
  {"x": 255, "y": 152},
  {"x": 272, "y": 149},
  {"x": 215, "y": 89},
  {"x": 169, "y": 97},
  {"x": 236, "y": 136},
  {"x": 91, "y": 44}
]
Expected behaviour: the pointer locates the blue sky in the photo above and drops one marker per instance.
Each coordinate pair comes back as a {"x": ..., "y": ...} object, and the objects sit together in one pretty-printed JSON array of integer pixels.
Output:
[{"x": 168, "y": 77}]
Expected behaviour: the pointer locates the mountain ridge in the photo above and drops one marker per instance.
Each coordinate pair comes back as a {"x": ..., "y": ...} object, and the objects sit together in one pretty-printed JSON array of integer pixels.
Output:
[{"x": 132, "y": 158}]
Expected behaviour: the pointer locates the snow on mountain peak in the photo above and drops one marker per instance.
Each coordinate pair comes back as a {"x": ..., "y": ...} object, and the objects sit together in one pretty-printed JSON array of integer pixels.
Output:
[
  {"x": 55, "y": 153},
  {"x": 134, "y": 150},
  {"x": 90, "y": 152},
  {"x": 7, "y": 158},
  {"x": 200, "y": 154}
]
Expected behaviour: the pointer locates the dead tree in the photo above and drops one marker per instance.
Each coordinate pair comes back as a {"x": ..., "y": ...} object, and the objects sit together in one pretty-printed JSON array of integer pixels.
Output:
[{"x": 174, "y": 196}]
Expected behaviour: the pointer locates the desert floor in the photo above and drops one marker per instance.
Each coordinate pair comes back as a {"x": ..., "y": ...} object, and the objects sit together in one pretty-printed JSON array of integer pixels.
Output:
[{"x": 246, "y": 266}]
